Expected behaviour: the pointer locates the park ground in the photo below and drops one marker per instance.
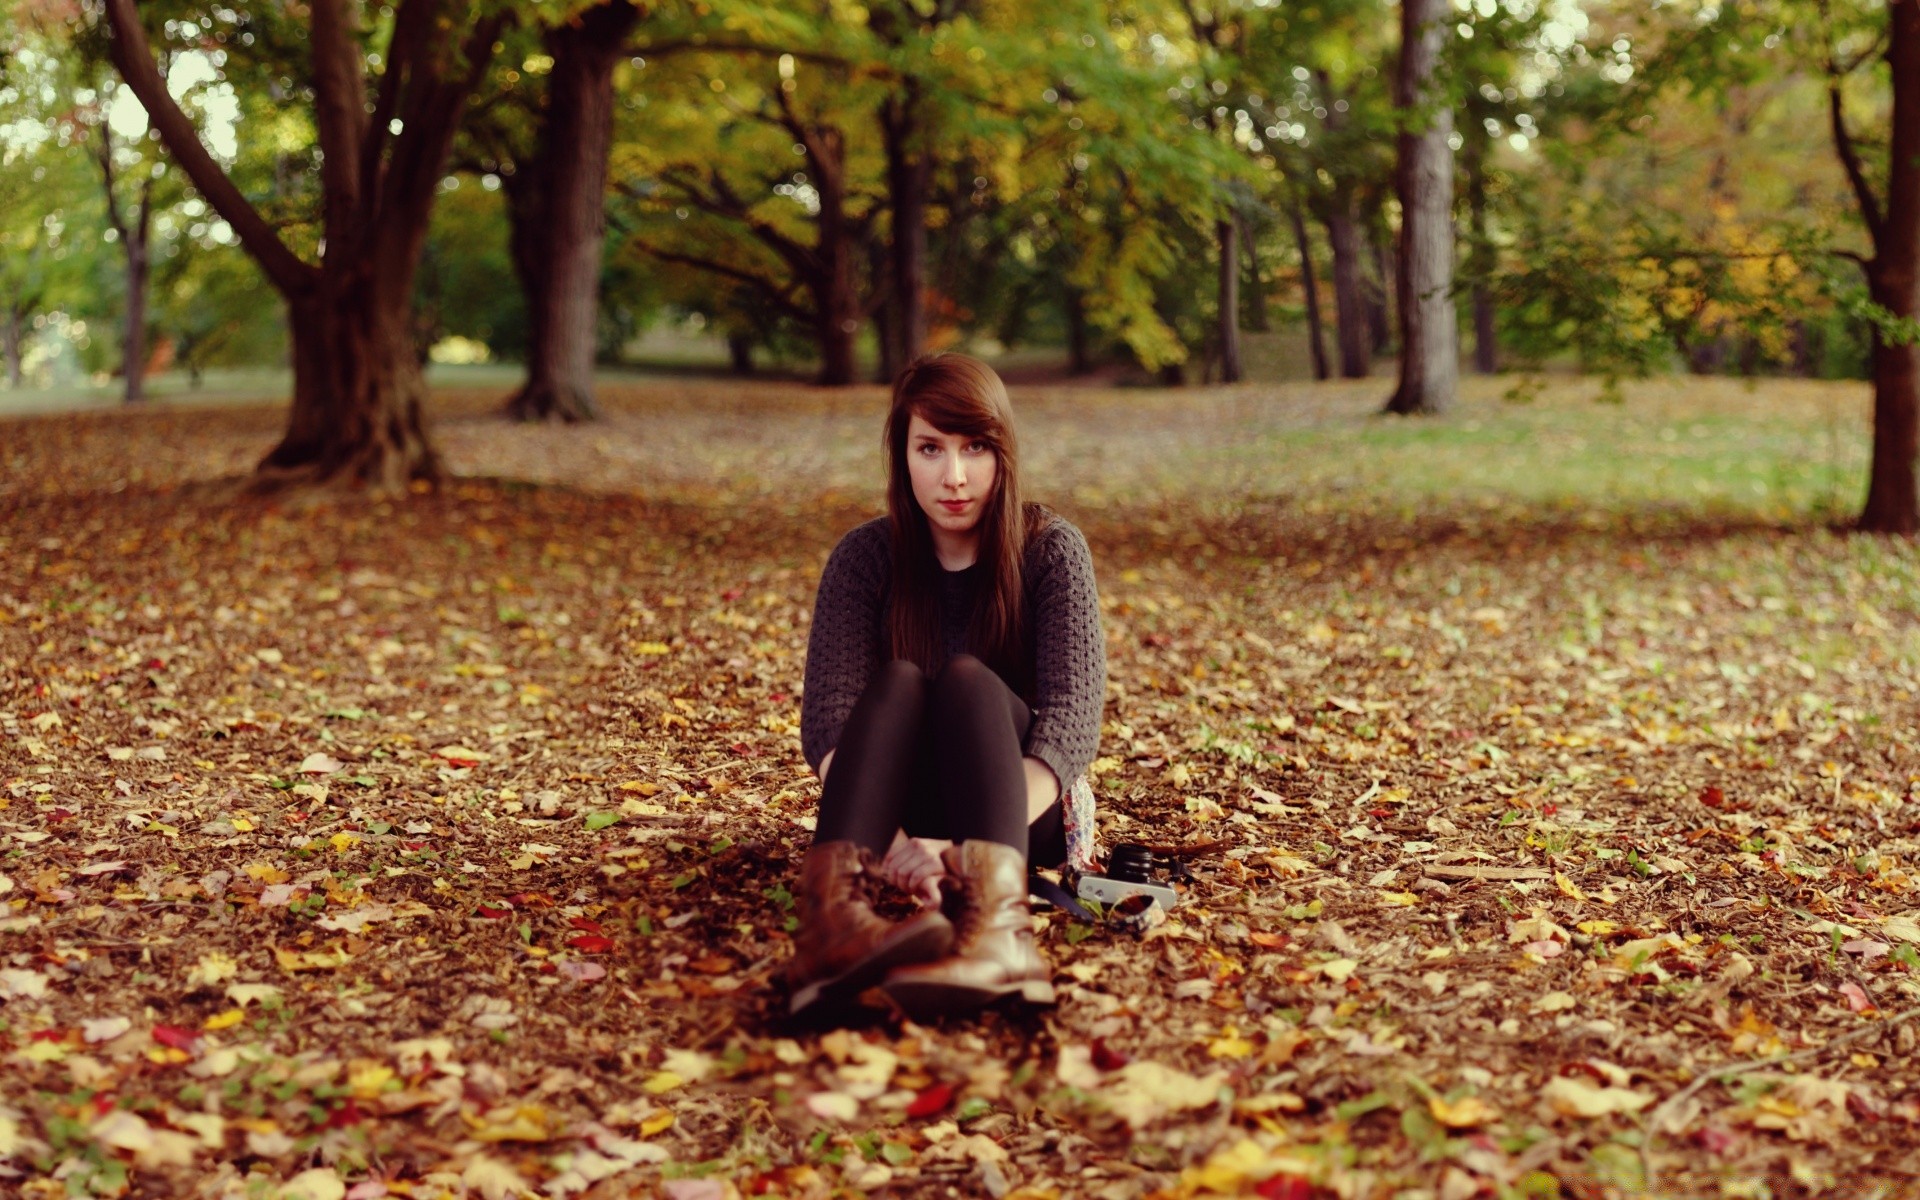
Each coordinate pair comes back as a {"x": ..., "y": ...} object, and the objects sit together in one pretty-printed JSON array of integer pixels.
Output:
[{"x": 1545, "y": 776}]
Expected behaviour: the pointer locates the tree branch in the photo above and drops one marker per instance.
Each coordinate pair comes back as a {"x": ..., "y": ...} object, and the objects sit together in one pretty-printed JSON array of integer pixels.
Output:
[
  {"x": 1843, "y": 140},
  {"x": 134, "y": 60},
  {"x": 778, "y": 297},
  {"x": 340, "y": 114}
]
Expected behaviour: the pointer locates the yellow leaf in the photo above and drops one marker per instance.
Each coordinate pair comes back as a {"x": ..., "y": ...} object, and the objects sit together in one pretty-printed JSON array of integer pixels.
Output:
[
  {"x": 266, "y": 873},
  {"x": 641, "y": 786},
  {"x": 225, "y": 1020},
  {"x": 659, "y": 1122},
  {"x": 1567, "y": 887},
  {"x": 45, "y": 1051},
  {"x": 460, "y": 756},
  {"x": 342, "y": 842},
  {"x": 651, "y": 648},
  {"x": 310, "y": 960},
  {"x": 661, "y": 1082},
  {"x": 1598, "y": 928},
  {"x": 1229, "y": 1045},
  {"x": 515, "y": 1123},
  {"x": 1464, "y": 1113},
  {"x": 368, "y": 1079},
  {"x": 1399, "y": 899},
  {"x": 243, "y": 825}
]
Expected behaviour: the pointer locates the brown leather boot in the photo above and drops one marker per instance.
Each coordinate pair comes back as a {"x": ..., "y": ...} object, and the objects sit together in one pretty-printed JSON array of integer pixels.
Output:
[
  {"x": 843, "y": 947},
  {"x": 994, "y": 954}
]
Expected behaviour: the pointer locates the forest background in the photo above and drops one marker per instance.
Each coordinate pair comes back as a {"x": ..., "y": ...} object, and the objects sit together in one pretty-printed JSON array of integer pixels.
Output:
[
  {"x": 829, "y": 189},
  {"x": 413, "y": 810}
]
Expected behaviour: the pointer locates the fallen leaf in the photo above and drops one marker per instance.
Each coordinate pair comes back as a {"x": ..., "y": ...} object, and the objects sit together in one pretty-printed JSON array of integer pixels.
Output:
[{"x": 1576, "y": 1097}]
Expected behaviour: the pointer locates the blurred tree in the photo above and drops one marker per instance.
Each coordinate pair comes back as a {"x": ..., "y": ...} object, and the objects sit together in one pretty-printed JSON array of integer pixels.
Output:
[
  {"x": 358, "y": 386},
  {"x": 1429, "y": 327},
  {"x": 557, "y": 194}
]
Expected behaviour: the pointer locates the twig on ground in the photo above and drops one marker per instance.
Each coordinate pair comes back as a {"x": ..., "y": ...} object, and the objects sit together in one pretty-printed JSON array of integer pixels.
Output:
[{"x": 1649, "y": 1173}]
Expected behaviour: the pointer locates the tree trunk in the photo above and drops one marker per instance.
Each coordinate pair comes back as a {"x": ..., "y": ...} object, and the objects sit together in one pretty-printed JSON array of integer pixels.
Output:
[
  {"x": 357, "y": 394},
  {"x": 1379, "y": 288},
  {"x": 1227, "y": 234},
  {"x": 133, "y": 335},
  {"x": 11, "y": 338},
  {"x": 1480, "y": 260},
  {"x": 909, "y": 176},
  {"x": 886, "y": 317},
  {"x": 1893, "y": 277},
  {"x": 1429, "y": 328},
  {"x": 835, "y": 290},
  {"x": 1259, "y": 320},
  {"x": 1079, "y": 360},
  {"x": 358, "y": 387},
  {"x": 1316, "y": 339},
  {"x": 740, "y": 353},
  {"x": 1349, "y": 295},
  {"x": 566, "y": 200}
]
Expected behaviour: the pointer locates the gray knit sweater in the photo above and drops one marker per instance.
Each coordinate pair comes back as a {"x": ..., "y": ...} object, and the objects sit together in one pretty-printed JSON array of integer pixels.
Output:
[{"x": 849, "y": 638}]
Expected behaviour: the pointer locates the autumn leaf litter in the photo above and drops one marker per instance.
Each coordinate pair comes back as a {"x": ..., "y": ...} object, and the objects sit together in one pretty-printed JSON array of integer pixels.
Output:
[{"x": 444, "y": 846}]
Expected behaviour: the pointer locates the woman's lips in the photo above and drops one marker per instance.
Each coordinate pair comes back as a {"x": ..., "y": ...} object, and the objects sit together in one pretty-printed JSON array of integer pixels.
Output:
[{"x": 954, "y": 506}]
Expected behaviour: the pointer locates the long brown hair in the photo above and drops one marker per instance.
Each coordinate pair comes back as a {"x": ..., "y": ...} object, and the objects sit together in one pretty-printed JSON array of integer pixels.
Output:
[{"x": 959, "y": 395}]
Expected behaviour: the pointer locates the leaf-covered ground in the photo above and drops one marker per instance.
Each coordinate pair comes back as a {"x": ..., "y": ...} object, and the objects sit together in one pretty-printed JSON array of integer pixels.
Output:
[{"x": 1550, "y": 770}]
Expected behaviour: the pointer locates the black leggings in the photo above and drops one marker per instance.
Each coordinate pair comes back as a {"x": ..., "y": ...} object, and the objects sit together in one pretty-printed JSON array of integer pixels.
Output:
[{"x": 939, "y": 758}]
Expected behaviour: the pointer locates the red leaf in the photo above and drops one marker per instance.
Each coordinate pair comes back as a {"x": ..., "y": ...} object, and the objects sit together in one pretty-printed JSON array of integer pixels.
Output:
[
  {"x": 179, "y": 1039},
  {"x": 1857, "y": 998},
  {"x": 1712, "y": 797},
  {"x": 1106, "y": 1058},
  {"x": 492, "y": 913},
  {"x": 589, "y": 925},
  {"x": 932, "y": 1101},
  {"x": 1284, "y": 1187},
  {"x": 347, "y": 1114},
  {"x": 591, "y": 943}
]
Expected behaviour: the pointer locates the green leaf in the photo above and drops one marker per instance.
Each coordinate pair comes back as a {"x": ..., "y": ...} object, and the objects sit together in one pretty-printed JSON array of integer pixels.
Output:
[{"x": 600, "y": 820}]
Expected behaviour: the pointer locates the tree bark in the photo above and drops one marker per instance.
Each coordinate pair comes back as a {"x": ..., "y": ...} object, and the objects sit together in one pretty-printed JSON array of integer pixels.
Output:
[
  {"x": 1316, "y": 339},
  {"x": 835, "y": 288},
  {"x": 1429, "y": 328},
  {"x": 1227, "y": 234},
  {"x": 1349, "y": 294},
  {"x": 1379, "y": 288},
  {"x": 1079, "y": 357},
  {"x": 909, "y": 176},
  {"x": 358, "y": 387},
  {"x": 740, "y": 353},
  {"x": 11, "y": 338},
  {"x": 1259, "y": 320},
  {"x": 563, "y": 203},
  {"x": 1892, "y": 279},
  {"x": 134, "y": 246},
  {"x": 1480, "y": 259}
]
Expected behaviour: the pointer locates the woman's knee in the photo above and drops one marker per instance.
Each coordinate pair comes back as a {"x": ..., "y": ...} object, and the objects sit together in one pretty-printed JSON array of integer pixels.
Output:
[
  {"x": 900, "y": 676},
  {"x": 965, "y": 685}
]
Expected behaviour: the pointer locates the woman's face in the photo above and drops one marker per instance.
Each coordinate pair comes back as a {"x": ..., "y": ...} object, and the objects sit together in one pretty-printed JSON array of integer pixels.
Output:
[{"x": 953, "y": 476}]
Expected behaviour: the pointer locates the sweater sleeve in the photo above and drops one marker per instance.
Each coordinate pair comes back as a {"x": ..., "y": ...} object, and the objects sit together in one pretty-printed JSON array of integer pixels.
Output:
[
  {"x": 1070, "y": 655},
  {"x": 843, "y": 645}
]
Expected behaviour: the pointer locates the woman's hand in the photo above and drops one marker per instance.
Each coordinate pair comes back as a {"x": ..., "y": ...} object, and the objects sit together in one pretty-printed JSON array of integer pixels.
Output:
[{"x": 913, "y": 865}]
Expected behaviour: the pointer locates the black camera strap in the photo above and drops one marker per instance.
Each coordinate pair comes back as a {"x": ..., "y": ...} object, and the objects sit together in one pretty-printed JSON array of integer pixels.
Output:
[{"x": 1040, "y": 886}]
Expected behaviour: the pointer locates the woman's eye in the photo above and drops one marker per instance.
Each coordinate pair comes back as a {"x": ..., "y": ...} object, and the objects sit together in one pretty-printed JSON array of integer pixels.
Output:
[
  {"x": 928, "y": 449},
  {"x": 976, "y": 447}
]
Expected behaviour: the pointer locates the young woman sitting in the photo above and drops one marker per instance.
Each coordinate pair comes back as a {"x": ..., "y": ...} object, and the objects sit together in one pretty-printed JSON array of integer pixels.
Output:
[{"x": 955, "y": 675}]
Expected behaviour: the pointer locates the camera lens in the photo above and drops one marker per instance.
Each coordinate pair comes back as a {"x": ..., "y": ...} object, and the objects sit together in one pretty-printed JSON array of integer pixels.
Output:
[{"x": 1130, "y": 863}]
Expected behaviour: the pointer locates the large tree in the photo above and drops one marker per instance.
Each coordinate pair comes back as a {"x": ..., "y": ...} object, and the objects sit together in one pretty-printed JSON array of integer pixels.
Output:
[
  {"x": 358, "y": 387},
  {"x": 1892, "y": 217},
  {"x": 1429, "y": 328},
  {"x": 557, "y": 203}
]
